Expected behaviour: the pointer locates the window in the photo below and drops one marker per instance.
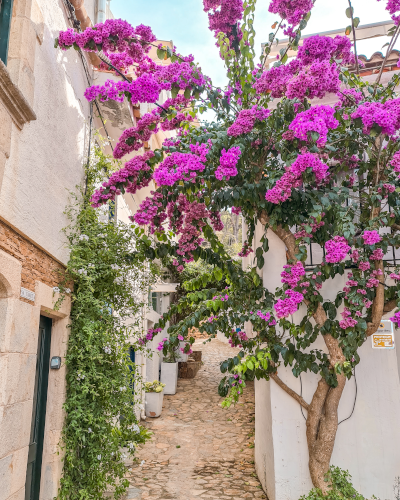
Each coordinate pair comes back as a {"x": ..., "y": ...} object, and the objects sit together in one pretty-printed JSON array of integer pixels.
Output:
[
  {"x": 5, "y": 23},
  {"x": 155, "y": 301}
]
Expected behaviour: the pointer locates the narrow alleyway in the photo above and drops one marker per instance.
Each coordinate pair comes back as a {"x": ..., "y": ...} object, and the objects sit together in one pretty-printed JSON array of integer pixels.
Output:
[{"x": 199, "y": 450}]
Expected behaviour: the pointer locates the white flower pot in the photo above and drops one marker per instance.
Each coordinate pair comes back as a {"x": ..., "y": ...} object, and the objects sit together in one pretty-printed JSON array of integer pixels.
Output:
[
  {"x": 182, "y": 355},
  {"x": 169, "y": 377},
  {"x": 154, "y": 401}
]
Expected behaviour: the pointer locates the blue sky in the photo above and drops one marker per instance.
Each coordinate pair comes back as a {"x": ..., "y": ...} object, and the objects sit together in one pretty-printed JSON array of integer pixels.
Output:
[{"x": 186, "y": 24}]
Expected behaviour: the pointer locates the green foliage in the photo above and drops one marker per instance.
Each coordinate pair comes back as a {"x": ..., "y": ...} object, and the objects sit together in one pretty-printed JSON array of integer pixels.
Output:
[
  {"x": 102, "y": 384},
  {"x": 341, "y": 487}
]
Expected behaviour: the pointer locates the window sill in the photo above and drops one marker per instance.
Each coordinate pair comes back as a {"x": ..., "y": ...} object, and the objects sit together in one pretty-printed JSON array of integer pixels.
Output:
[{"x": 13, "y": 99}]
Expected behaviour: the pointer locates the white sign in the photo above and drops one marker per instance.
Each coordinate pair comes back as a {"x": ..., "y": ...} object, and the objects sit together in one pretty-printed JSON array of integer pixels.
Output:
[
  {"x": 383, "y": 338},
  {"x": 27, "y": 294}
]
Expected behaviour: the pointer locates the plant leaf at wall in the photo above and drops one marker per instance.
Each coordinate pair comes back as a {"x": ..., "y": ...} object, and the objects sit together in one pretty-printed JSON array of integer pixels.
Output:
[{"x": 102, "y": 384}]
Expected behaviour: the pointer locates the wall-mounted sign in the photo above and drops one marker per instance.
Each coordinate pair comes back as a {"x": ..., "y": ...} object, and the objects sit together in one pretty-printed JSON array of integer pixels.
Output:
[
  {"x": 383, "y": 338},
  {"x": 27, "y": 294}
]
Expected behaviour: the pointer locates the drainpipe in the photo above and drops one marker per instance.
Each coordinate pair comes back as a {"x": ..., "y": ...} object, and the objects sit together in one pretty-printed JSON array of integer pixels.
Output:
[
  {"x": 101, "y": 10},
  {"x": 82, "y": 16}
]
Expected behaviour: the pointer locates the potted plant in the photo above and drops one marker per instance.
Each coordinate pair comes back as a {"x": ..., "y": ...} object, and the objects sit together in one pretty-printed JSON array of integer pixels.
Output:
[
  {"x": 169, "y": 365},
  {"x": 154, "y": 398},
  {"x": 185, "y": 349}
]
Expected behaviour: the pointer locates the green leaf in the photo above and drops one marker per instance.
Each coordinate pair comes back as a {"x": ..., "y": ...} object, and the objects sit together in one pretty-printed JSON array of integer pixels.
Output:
[
  {"x": 356, "y": 22},
  {"x": 347, "y": 31},
  {"x": 218, "y": 274},
  {"x": 161, "y": 53},
  {"x": 349, "y": 12}
]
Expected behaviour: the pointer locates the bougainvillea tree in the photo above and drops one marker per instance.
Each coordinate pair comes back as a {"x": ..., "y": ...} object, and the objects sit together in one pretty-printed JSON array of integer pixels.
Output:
[{"x": 308, "y": 173}]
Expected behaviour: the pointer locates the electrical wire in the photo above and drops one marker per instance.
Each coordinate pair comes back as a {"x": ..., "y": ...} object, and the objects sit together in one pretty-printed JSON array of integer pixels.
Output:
[
  {"x": 355, "y": 399},
  {"x": 354, "y": 404}
]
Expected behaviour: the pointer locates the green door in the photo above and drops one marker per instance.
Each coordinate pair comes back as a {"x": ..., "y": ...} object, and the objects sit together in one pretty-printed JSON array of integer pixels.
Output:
[
  {"x": 34, "y": 468},
  {"x": 6, "y": 7}
]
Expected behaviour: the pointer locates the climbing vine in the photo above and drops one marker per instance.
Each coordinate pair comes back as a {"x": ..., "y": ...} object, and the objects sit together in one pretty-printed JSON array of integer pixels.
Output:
[{"x": 103, "y": 386}]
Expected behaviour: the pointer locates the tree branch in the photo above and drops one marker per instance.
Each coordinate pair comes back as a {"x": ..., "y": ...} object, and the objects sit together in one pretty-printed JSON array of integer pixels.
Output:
[
  {"x": 290, "y": 391},
  {"x": 354, "y": 38},
  {"x": 379, "y": 302},
  {"x": 389, "y": 305},
  {"x": 389, "y": 50}
]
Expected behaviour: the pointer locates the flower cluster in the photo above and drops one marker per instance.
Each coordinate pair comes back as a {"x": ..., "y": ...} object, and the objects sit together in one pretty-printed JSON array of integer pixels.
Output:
[
  {"x": 285, "y": 307},
  {"x": 246, "y": 250},
  {"x": 237, "y": 337},
  {"x": 371, "y": 237},
  {"x": 236, "y": 210},
  {"x": 316, "y": 80},
  {"x": 227, "y": 163},
  {"x": 347, "y": 321},
  {"x": 266, "y": 317},
  {"x": 292, "y": 178},
  {"x": 148, "y": 212},
  {"x": 291, "y": 10},
  {"x": 336, "y": 249},
  {"x": 161, "y": 344},
  {"x": 317, "y": 119},
  {"x": 132, "y": 139},
  {"x": 292, "y": 275},
  {"x": 221, "y": 297},
  {"x": 324, "y": 48},
  {"x": 135, "y": 175},
  {"x": 297, "y": 81},
  {"x": 349, "y": 97},
  {"x": 246, "y": 120},
  {"x": 396, "y": 319},
  {"x": 114, "y": 35},
  {"x": 395, "y": 163},
  {"x": 177, "y": 167},
  {"x": 313, "y": 73},
  {"x": 386, "y": 116},
  {"x": 393, "y": 6},
  {"x": 120, "y": 61},
  {"x": 223, "y": 15}
]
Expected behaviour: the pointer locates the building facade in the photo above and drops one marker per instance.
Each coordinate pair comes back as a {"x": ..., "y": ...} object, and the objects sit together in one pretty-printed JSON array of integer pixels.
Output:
[{"x": 44, "y": 140}]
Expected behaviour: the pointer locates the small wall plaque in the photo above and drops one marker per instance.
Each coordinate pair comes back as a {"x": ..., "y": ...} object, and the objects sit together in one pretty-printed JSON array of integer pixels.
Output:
[
  {"x": 27, "y": 294},
  {"x": 55, "y": 363}
]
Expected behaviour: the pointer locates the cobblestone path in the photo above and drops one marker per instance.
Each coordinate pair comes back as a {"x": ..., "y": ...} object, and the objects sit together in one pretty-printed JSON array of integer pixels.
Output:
[{"x": 199, "y": 450}]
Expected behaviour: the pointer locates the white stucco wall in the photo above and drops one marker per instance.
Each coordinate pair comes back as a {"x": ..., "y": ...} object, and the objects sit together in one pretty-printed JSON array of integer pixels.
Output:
[
  {"x": 368, "y": 444},
  {"x": 47, "y": 154}
]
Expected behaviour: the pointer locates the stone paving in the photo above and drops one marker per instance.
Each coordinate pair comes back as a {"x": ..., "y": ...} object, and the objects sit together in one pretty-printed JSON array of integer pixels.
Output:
[{"x": 199, "y": 450}]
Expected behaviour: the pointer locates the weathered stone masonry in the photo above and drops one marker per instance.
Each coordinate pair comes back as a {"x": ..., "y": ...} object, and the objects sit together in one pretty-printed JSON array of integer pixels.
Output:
[{"x": 37, "y": 265}]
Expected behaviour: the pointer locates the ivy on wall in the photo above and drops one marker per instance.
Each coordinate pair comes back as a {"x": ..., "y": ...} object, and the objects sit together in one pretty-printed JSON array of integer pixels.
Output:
[{"x": 102, "y": 384}]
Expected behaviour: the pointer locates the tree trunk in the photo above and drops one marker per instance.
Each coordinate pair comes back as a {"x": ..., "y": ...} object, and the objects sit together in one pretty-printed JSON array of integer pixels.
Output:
[{"x": 322, "y": 424}]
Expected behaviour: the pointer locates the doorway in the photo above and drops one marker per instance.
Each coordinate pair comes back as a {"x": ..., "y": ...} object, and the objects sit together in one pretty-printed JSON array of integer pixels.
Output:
[{"x": 34, "y": 468}]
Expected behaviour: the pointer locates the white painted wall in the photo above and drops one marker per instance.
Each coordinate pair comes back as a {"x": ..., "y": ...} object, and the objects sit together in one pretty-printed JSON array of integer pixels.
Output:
[{"x": 46, "y": 157}]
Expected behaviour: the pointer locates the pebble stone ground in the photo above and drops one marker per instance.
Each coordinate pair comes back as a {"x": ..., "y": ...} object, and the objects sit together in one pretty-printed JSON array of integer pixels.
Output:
[{"x": 199, "y": 450}]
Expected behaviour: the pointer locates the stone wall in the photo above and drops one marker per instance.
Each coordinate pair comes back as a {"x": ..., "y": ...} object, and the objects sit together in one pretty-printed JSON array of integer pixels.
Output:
[{"x": 37, "y": 265}]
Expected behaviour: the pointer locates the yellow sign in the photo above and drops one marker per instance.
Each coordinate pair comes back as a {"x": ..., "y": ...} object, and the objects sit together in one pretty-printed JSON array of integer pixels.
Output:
[{"x": 383, "y": 338}]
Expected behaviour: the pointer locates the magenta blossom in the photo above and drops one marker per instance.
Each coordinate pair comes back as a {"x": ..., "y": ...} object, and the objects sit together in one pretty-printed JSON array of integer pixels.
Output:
[
  {"x": 336, "y": 249},
  {"x": 371, "y": 237}
]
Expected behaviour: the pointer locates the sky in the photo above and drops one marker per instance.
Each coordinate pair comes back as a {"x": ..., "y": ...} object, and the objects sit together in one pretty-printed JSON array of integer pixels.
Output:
[{"x": 186, "y": 24}]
